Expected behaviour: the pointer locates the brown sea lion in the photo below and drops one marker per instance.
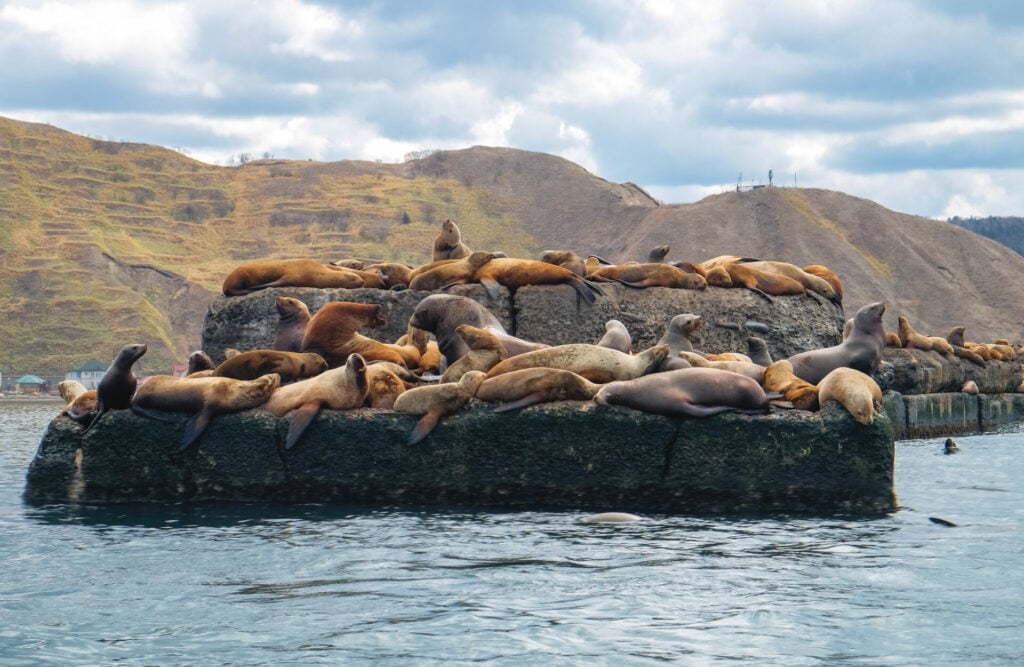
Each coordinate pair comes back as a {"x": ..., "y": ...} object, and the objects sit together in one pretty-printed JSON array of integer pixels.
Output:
[
  {"x": 292, "y": 318},
  {"x": 518, "y": 389},
  {"x": 333, "y": 333},
  {"x": 204, "y": 397},
  {"x": 751, "y": 370},
  {"x": 341, "y": 388},
  {"x": 566, "y": 259},
  {"x": 437, "y": 401},
  {"x": 456, "y": 272},
  {"x": 290, "y": 366},
  {"x": 431, "y": 360},
  {"x": 448, "y": 243},
  {"x": 910, "y": 338},
  {"x": 757, "y": 351},
  {"x": 827, "y": 274},
  {"x": 118, "y": 384},
  {"x": 83, "y": 408},
  {"x": 765, "y": 283},
  {"x": 658, "y": 254},
  {"x": 649, "y": 275},
  {"x": 616, "y": 336},
  {"x": 262, "y": 274},
  {"x": 862, "y": 350},
  {"x": 515, "y": 273},
  {"x": 688, "y": 392},
  {"x": 892, "y": 339},
  {"x": 854, "y": 390},
  {"x": 597, "y": 364},
  {"x": 969, "y": 387},
  {"x": 809, "y": 281},
  {"x": 779, "y": 378},
  {"x": 485, "y": 351},
  {"x": 1005, "y": 352},
  {"x": 199, "y": 362},
  {"x": 230, "y": 352},
  {"x": 950, "y": 447},
  {"x": 384, "y": 385},
  {"x": 394, "y": 274}
]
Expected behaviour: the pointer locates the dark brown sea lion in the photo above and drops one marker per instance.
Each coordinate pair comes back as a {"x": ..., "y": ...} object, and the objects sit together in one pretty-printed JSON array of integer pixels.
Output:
[
  {"x": 262, "y": 274},
  {"x": 854, "y": 390},
  {"x": 566, "y": 259},
  {"x": 333, "y": 333},
  {"x": 688, "y": 392},
  {"x": 862, "y": 350},
  {"x": 597, "y": 364},
  {"x": 658, "y": 254},
  {"x": 204, "y": 397},
  {"x": 292, "y": 318},
  {"x": 518, "y": 389},
  {"x": 649, "y": 275},
  {"x": 757, "y": 350},
  {"x": 198, "y": 362},
  {"x": 290, "y": 366},
  {"x": 515, "y": 273},
  {"x": 485, "y": 351},
  {"x": 451, "y": 273},
  {"x": 616, "y": 336},
  {"x": 341, "y": 388},
  {"x": 118, "y": 384},
  {"x": 437, "y": 401},
  {"x": 950, "y": 447},
  {"x": 440, "y": 314},
  {"x": 448, "y": 243}
]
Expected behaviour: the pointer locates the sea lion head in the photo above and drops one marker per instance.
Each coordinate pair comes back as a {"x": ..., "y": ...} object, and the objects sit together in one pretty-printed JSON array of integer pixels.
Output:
[{"x": 129, "y": 354}]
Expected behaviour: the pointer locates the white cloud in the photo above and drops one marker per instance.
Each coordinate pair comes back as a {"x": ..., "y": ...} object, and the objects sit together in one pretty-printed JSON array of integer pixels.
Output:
[{"x": 311, "y": 31}]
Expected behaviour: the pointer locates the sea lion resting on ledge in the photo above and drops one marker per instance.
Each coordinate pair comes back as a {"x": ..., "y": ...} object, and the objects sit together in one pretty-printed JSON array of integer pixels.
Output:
[
  {"x": 688, "y": 392},
  {"x": 262, "y": 274},
  {"x": 333, "y": 333},
  {"x": 118, "y": 384},
  {"x": 448, "y": 243},
  {"x": 437, "y": 401},
  {"x": 440, "y": 314},
  {"x": 595, "y": 363},
  {"x": 289, "y": 366},
  {"x": 513, "y": 273}
]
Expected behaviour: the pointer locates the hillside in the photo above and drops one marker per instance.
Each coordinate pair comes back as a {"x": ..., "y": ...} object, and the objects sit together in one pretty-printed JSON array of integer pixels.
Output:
[{"x": 103, "y": 243}]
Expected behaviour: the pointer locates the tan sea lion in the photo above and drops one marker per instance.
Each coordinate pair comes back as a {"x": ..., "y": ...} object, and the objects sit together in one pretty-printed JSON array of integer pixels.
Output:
[
  {"x": 515, "y": 273},
  {"x": 910, "y": 338},
  {"x": 384, "y": 385},
  {"x": 456, "y": 272},
  {"x": 292, "y": 318},
  {"x": 485, "y": 351},
  {"x": 83, "y": 408},
  {"x": 204, "y": 397},
  {"x": 750, "y": 369},
  {"x": 779, "y": 378},
  {"x": 448, "y": 243},
  {"x": 616, "y": 336},
  {"x": 290, "y": 366},
  {"x": 262, "y": 274},
  {"x": 757, "y": 351},
  {"x": 827, "y": 274},
  {"x": 690, "y": 392},
  {"x": 969, "y": 387},
  {"x": 677, "y": 333},
  {"x": 941, "y": 345},
  {"x": 70, "y": 390},
  {"x": 729, "y": 356},
  {"x": 854, "y": 390},
  {"x": 230, "y": 352},
  {"x": 566, "y": 259},
  {"x": 518, "y": 389},
  {"x": 658, "y": 254},
  {"x": 341, "y": 388},
  {"x": 118, "y": 384},
  {"x": 862, "y": 349},
  {"x": 892, "y": 339},
  {"x": 333, "y": 333},
  {"x": 394, "y": 274},
  {"x": 765, "y": 283},
  {"x": 809, "y": 281},
  {"x": 597, "y": 364},
  {"x": 649, "y": 275},
  {"x": 437, "y": 401}
]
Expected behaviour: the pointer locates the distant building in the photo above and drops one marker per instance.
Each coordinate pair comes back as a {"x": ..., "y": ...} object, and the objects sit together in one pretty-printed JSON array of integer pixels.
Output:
[
  {"x": 30, "y": 384},
  {"x": 89, "y": 374}
]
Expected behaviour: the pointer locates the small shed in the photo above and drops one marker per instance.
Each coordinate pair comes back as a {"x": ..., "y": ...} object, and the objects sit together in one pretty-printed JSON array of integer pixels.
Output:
[
  {"x": 89, "y": 374},
  {"x": 29, "y": 384}
]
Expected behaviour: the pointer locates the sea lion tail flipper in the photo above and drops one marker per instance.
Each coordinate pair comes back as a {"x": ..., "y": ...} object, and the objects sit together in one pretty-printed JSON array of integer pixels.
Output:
[
  {"x": 301, "y": 419},
  {"x": 762, "y": 293},
  {"x": 492, "y": 286},
  {"x": 194, "y": 428},
  {"x": 525, "y": 401},
  {"x": 583, "y": 288},
  {"x": 424, "y": 426}
]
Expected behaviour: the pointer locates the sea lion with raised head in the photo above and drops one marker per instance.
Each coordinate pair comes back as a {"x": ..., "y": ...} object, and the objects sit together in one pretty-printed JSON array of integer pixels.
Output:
[
  {"x": 687, "y": 392},
  {"x": 658, "y": 253},
  {"x": 485, "y": 351},
  {"x": 70, "y": 390},
  {"x": 263, "y": 274},
  {"x": 118, "y": 384},
  {"x": 203, "y": 397},
  {"x": 910, "y": 338},
  {"x": 854, "y": 390},
  {"x": 440, "y": 314},
  {"x": 448, "y": 243},
  {"x": 595, "y": 363},
  {"x": 529, "y": 386},
  {"x": 677, "y": 333},
  {"x": 292, "y": 318},
  {"x": 862, "y": 350},
  {"x": 290, "y": 366},
  {"x": 437, "y": 401},
  {"x": 333, "y": 333},
  {"x": 616, "y": 336},
  {"x": 757, "y": 351},
  {"x": 341, "y": 388}
]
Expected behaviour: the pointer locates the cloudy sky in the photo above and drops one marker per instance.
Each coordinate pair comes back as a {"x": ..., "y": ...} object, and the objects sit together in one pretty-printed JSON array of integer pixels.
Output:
[{"x": 916, "y": 105}]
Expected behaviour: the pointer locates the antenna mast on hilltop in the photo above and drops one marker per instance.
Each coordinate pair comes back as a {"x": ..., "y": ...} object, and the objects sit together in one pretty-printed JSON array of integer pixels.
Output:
[{"x": 739, "y": 181}]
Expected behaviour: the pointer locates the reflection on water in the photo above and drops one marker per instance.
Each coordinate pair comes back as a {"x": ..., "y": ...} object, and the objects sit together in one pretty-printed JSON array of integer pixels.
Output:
[{"x": 261, "y": 583}]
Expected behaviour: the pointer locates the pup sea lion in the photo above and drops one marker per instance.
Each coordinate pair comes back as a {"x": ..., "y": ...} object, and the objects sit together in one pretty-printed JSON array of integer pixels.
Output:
[
  {"x": 262, "y": 274},
  {"x": 597, "y": 364},
  {"x": 485, "y": 351},
  {"x": 854, "y": 390},
  {"x": 649, "y": 275},
  {"x": 518, "y": 389},
  {"x": 437, "y": 401},
  {"x": 118, "y": 384},
  {"x": 205, "y": 397},
  {"x": 333, "y": 333},
  {"x": 292, "y": 318},
  {"x": 290, "y": 366},
  {"x": 341, "y": 388},
  {"x": 690, "y": 392},
  {"x": 459, "y": 271},
  {"x": 448, "y": 243},
  {"x": 616, "y": 336},
  {"x": 515, "y": 273},
  {"x": 779, "y": 378},
  {"x": 566, "y": 259},
  {"x": 862, "y": 350}
]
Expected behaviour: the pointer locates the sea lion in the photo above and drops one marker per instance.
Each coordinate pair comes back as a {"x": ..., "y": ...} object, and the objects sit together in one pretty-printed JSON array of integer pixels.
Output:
[
  {"x": 230, "y": 352},
  {"x": 350, "y": 263},
  {"x": 199, "y": 362},
  {"x": 854, "y": 390},
  {"x": 809, "y": 281},
  {"x": 566, "y": 259},
  {"x": 969, "y": 387},
  {"x": 658, "y": 254},
  {"x": 485, "y": 351},
  {"x": 341, "y": 388},
  {"x": 205, "y": 397},
  {"x": 751, "y": 370},
  {"x": 394, "y": 274},
  {"x": 292, "y": 318},
  {"x": 779, "y": 378},
  {"x": 729, "y": 356},
  {"x": 910, "y": 338},
  {"x": 118, "y": 384},
  {"x": 757, "y": 351},
  {"x": 616, "y": 336},
  {"x": 827, "y": 274},
  {"x": 430, "y": 357},
  {"x": 689, "y": 392},
  {"x": 333, "y": 333},
  {"x": 456, "y": 272},
  {"x": 518, "y": 389},
  {"x": 515, "y": 273},
  {"x": 950, "y": 447},
  {"x": 649, "y": 275},
  {"x": 82, "y": 409},
  {"x": 70, "y": 390},
  {"x": 290, "y": 366},
  {"x": 862, "y": 350},
  {"x": 941, "y": 345},
  {"x": 437, "y": 401},
  {"x": 262, "y": 274},
  {"x": 440, "y": 314},
  {"x": 597, "y": 364},
  {"x": 677, "y": 333},
  {"x": 892, "y": 339},
  {"x": 384, "y": 385},
  {"x": 448, "y": 243},
  {"x": 764, "y": 282}
]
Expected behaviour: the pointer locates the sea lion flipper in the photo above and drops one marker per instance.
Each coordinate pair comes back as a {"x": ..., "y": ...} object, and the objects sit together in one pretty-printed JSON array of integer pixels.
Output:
[
  {"x": 525, "y": 401},
  {"x": 301, "y": 419},
  {"x": 492, "y": 286},
  {"x": 194, "y": 428},
  {"x": 424, "y": 426},
  {"x": 583, "y": 288},
  {"x": 153, "y": 413},
  {"x": 694, "y": 410}
]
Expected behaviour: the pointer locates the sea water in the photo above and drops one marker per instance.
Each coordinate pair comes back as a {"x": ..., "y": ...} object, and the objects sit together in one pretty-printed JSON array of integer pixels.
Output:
[{"x": 275, "y": 584}]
